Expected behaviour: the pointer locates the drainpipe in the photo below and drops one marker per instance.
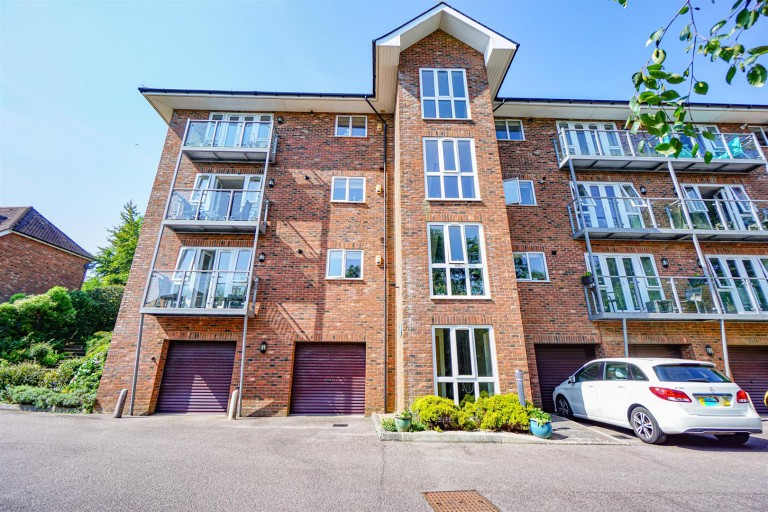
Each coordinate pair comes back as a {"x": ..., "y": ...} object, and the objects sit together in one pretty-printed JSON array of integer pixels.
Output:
[{"x": 386, "y": 283}]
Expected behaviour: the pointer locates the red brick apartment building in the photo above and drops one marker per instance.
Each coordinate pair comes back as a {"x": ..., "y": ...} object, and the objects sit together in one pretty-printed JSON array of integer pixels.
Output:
[{"x": 329, "y": 253}]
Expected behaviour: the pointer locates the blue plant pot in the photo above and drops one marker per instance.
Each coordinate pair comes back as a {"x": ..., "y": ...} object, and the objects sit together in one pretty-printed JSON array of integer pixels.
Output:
[
  {"x": 542, "y": 431},
  {"x": 402, "y": 425}
]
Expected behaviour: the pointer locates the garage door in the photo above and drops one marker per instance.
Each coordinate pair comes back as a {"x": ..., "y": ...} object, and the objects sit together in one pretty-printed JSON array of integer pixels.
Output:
[
  {"x": 749, "y": 366},
  {"x": 674, "y": 351},
  {"x": 197, "y": 377},
  {"x": 328, "y": 378},
  {"x": 555, "y": 363}
]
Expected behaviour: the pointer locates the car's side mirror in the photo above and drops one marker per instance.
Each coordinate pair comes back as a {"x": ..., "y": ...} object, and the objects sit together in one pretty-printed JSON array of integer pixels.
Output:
[{"x": 572, "y": 379}]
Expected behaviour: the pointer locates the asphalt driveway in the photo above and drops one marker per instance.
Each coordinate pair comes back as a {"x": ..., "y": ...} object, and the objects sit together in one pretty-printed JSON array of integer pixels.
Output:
[{"x": 61, "y": 462}]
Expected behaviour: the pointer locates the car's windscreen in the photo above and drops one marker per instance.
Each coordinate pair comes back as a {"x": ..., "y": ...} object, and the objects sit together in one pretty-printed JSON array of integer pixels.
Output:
[{"x": 688, "y": 373}]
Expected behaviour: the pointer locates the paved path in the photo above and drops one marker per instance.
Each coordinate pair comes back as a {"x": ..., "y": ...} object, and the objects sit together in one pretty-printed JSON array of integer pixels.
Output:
[{"x": 83, "y": 463}]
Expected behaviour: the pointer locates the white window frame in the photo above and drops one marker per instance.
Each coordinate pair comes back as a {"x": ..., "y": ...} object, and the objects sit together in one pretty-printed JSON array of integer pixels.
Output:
[
  {"x": 344, "y": 265},
  {"x": 442, "y": 173},
  {"x": 451, "y": 97},
  {"x": 350, "y": 116},
  {"x": 346, "y": 189},
  {"x": 456, "y": 379},
  {"x": 760, "y": 132},
  {"x": 463, "y": 264},
  {"x": 506, "y": 126},
  {"x": 530, "y": 278},
  {"x": 519, "y": 195}
]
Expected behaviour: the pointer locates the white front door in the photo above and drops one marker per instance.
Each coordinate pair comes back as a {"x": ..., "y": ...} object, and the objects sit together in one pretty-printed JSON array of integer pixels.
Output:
[
  {"x": 612, "y": 205},
  {"x": 239, "y": 130},
  {"x": 629, "y": 282},
  {"x": 741, "y": 282},
  {"x": 591, "y": 138}
]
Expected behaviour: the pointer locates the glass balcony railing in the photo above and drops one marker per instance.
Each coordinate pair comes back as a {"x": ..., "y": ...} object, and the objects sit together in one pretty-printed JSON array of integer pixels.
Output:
[
  {"x": 189, "y": 204},
  {"x": 200, "y": 292},
  {"x": 646, "y": 214},
  {"x": 682, "y": 297},
  {"x": 627, "y": 150},
  {"x": 228, "y": 134}
]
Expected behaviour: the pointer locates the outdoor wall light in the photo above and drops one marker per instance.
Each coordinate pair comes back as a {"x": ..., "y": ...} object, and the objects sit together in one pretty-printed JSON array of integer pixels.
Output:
[
  {"x": 643, "y": 190},
  {"x": 263, "y": 347},
  {"x": 710, "y": 351},
  {"x": 271, "y": 183},
  {"x": 311, "y": 113},
  {"x": 542, "y": 180},
  {"x": 279, "y": 119},
  {"x": 262, "y": 257},
  {"x": 665, "y": 262},
  {"x": 307, "y": 177},
  {"x": 300, "y": 251}
]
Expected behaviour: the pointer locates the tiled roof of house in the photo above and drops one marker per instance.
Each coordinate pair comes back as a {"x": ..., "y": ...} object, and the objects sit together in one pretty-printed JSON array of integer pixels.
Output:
[{"x": 27, "y": 221}]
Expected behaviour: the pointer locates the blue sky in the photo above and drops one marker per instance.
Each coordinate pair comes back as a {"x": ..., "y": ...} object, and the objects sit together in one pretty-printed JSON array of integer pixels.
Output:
[{"x": 77, "y": 140}]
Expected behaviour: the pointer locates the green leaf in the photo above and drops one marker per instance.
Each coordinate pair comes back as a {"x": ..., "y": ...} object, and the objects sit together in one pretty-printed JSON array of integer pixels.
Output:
[
  {"x": 736, "y": 5},
  {"x": 758, "y": 50},
  {"x": 700, "y": 87},
  {"x": 689, "y": 130},
  {"x": 746, "y": 18},
  {"x": 730, "y": 74},
  {"x": 675, "y": 79},
  {"x": 757, "y": 75},
  {"x": 636, "y": 126},
  {"x": 623, "y": 3},
  {"x": 726, "y": 53},
  {"x": 644, "y": 96},
  {"x": 658, "y": 74},
  {"x": 656, "y": 36},
  {"x": 675, "y": 143},
  {"x": 664, "y": 148},
  {"x": 650, "y": 83},
  {"x": 684, "y": 9},
  {"x": 695, "y": 150},
  {"x": 669, "y": 95},
  {"x": 708, "y": 135},
  {"x": 637, "y": 79},
  {"x": 685, "y": 34},
  {"x": 659, "y": 55},
  {"x": 708, "y": 157},
  {"x": 717, "y": 26},
  {"x": 647, "y": 120}
]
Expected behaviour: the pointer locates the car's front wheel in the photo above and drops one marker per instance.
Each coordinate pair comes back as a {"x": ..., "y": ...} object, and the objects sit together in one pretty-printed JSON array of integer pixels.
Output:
[
  {"x": 563, "y": 408},
  {"x": 733, "y": 439},
  {"x": 646, "y": 427}
]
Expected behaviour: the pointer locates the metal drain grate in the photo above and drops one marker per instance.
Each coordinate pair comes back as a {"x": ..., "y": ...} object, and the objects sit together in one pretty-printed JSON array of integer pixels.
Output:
[
  {"x": 341, "y": 424},
  {"x": 459, "y": 501}
]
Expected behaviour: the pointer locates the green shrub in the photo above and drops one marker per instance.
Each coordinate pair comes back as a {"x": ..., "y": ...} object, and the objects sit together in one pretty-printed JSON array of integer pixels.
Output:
[
  {"x": 388, "y": 424},
  {"x": 435, "y": 412},
  {"x": 502, "y": 412},
  {"x": 418, "y": 426},
  {"x": 44, "y": 354},
  {"x": 16, "y": 296},
  {"x": 45, "y": 398},
  {"x": 96, "y": 310},
  {"x": 63, "y": 375},
  {"x": 539, "y": 416},
  {"x": 98, "y": 344},
  {"x": 24, "y": 374},
  {"x": 44, "y": 317}
]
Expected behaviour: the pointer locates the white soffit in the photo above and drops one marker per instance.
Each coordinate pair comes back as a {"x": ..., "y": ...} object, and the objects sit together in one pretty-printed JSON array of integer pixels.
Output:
[
  {"x": 497, "y": 50},
  {"x": 619, "y": 111}
]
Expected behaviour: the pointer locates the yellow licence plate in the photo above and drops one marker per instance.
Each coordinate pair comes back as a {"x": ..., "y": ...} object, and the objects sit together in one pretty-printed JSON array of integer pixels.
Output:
[{"x": 714, "y": 401}]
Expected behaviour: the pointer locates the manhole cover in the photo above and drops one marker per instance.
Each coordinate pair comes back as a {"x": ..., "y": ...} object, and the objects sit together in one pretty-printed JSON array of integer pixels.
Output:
[
  {"x": 459, "y": 501},
  {"x": 341, "y": 424}
]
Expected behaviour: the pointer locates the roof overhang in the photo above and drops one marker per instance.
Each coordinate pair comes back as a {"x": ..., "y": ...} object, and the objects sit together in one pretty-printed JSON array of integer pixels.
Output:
[{"x": 609, "y": 110}]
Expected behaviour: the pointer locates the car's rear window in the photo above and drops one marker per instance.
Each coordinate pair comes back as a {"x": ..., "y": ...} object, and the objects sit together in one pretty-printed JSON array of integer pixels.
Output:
[{"x": 688, "y": 373}]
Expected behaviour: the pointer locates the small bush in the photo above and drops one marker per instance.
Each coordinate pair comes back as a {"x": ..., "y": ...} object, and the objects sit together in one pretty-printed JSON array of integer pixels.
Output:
[
  {"x": 388, "y": 424},
  {"x": 61, "y": 376},
  {"x": 502, "y": 412},
  {"x": 44, "y": 354},
  {"x": 435, "y": 412},
  {"x": 45, "y": 398},
  {"x": 98, "y": 344},
  {"x": 418, "y": 426},
  {"x": 24, "y": 374}
]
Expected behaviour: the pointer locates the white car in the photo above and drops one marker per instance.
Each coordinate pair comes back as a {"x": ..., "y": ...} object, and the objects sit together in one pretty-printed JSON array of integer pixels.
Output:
[{"x": 655, "y": 397}]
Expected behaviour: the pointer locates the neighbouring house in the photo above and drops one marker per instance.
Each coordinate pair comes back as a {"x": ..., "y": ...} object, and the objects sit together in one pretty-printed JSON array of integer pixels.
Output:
[
  {"x": 346, "y": 253},
  {"x": 35, "y": 255}
]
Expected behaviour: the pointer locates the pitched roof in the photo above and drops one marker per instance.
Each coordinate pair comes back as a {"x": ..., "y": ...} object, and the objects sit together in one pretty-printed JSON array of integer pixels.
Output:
[{"x": 25, "y": 220}]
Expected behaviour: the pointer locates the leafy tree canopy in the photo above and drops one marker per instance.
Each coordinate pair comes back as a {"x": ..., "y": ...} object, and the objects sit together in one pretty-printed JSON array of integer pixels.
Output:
[
  {"x": 661, "y": 109},
  {"x": 113, "y": 262}
]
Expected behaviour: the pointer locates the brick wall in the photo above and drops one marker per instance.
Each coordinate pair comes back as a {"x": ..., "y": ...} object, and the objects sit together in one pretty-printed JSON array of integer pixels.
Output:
[{"x": 28, "y": 266}]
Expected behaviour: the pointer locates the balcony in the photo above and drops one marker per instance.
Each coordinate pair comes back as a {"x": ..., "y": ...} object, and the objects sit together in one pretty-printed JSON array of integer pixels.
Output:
[
  {"x": 194, "y": 210},
  {"x": 617, "y": 150},
  {"x": 230, "y": 141},
  {"x": 641, "y": 218},
  {"x": 200, "y": 293},
  {"x": 677, "y": 299}
]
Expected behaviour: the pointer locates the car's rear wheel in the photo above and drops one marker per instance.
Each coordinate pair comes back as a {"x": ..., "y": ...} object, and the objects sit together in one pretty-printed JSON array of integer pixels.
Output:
[
  {"x": 733, "y": 439},
  {"x": 646, "y": 427},
  {"x": 563, "y": 408}
]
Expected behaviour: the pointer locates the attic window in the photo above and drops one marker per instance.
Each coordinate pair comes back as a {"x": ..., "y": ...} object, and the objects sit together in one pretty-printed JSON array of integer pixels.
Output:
[{"x": 444, "y": 94}]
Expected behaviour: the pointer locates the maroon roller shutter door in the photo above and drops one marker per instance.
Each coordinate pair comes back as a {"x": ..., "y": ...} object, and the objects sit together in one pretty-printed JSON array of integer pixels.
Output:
[
  {"x": 749, "y": 368},
  {"x": 328, "y": 378},
  {"x": 673, "y": 351},
  {"x": 196, "y": 377},
  {"x": 555, "y": 363}
]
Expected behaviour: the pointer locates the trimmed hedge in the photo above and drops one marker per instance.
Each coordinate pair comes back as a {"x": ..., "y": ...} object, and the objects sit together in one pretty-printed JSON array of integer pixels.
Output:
[{"x": 496, "y": 413}]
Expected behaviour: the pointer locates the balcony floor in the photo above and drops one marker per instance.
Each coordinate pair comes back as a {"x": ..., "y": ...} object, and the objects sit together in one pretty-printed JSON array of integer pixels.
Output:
[
  {"x": 208, "y": 154},
  {"x": 704, "y": 235},
  {"x": 196, "y": 312},
  {"x": 630, "y": 163},
  {"x": 680, "y": 317},
  {"x": 210, "y": 226}
]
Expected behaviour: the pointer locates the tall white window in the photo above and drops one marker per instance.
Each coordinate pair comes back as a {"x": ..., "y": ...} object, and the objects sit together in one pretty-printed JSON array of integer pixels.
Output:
[
  {"x": 351, "y": 126},
  {"x": 449, "y": 166},
  {"x": 444, "y": 94},
  {"x": 347, "y": 190},
  {"x": 344, "y": 264},
  {"x": 457, "y": 261},
  {"x": 464, "y": 362},
  {"x": 519, "y": 192},
  {"x": 530, "y": 266},
  {"x": 509, "y": 129}
]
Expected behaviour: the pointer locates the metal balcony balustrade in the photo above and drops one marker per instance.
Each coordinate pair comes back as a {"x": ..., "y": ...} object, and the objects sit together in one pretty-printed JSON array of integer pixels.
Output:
[
  {"x": 194, "y": 210},
  {"x": 677, "y": 298},
  {"x": 201, "y": 292},
  {"x": 652, "y": 218},
  {"x": 230, "y": 141},
  {"x": 618, "y": 150}
]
